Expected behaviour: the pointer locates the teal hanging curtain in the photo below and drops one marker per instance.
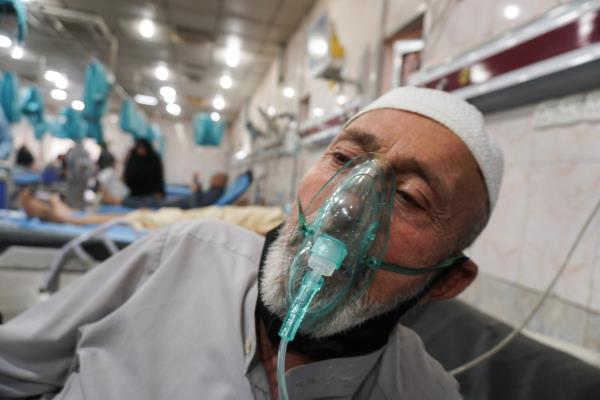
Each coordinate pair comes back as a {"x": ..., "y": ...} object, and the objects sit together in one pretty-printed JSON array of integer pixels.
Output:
[
  {"x": 206, "y": 131},
  {"x": 96, "y": 94},
  {"x": 32, "y": 107},
  {"x": 9, "y": 97},
  {"x": 69, "y": 126},
  {"x": 126, "y": 116},
  {"x": 15, "y": 9},
  {"x": 132, "y": 121},
  {"x": 155, "y": 136},
  {"x": 6, "y": 142}
]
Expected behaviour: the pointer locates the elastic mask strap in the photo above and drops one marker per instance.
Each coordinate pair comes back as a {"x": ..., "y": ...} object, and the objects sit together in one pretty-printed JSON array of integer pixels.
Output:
[{"x": 422, "y": 271}]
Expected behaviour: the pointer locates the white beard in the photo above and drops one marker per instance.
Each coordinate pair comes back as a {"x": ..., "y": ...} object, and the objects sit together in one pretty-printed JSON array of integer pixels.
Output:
[{"x": 273, "y": 288}]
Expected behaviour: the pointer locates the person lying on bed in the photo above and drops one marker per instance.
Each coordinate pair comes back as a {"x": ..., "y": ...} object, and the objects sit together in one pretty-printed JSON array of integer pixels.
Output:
[{"x": 255, "y": 218}]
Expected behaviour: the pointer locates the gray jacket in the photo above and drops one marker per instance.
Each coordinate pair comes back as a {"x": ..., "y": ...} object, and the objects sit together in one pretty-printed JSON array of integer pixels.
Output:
[{"x": 172, "y": 317}]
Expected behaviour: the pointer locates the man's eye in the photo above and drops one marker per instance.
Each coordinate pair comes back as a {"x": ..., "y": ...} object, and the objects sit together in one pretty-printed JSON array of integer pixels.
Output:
[
  {"x": 408, "y": 199},
  {"x": 340, "y": 158}
]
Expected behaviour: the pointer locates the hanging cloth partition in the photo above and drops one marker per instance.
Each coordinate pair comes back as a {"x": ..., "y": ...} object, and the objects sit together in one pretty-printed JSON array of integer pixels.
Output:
[
  {"x": 70, "y": 125},
  {"x": 95, "y": 97},
  {"x": 32, "y": 107},
  {"x": 155, "y": 136},
  {"x": 132, "y": 121},
  {"x": 9, "y": 97},
  {"x": 14, "y": 13},
  {"x": 206, "y": 131},
  {"x": 6, "y": 142}
]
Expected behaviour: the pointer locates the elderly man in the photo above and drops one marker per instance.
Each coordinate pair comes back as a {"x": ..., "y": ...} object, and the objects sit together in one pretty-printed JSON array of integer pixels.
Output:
[{"x": 190, "y": 312}]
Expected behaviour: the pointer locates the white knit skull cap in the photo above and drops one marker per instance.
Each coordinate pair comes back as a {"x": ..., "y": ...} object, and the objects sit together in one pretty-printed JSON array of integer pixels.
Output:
[{"x": 464, "y": 120}]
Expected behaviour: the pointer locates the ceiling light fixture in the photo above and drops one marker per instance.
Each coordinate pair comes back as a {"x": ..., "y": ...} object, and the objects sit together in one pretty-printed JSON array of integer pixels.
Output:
[
  {"x": 168, "y": 94},
  {"x": 289, "y": 92},
  {"x": 145, "y": 100},
  {"x": 77, "y": 105},
  {"x": 226, "y": 82},
  {"x": 173, "y": 109},
  {"x": 318, "y": 47},
  {"x": 512, "y": 11},
  {"x": 218, "y": 102},
  {"x": 271, "y": 111},
  {"x": 215, "y": 116},
  {"x": 60, "y": 80},
  {"x": 58, "y": 94},
  {"x": 52, "y": 75},
  {"x": 17, "y": 53},
  {"x": 161, "y": 73},
  {"x": 61, "y": 83},
  {"x": 232, "y": 52},
  {"x": 317, "y": 112},
  {"x": 5, "y": 41},
  {"x": 146, "y": 28},
  {"x": 341, "y": 100}
]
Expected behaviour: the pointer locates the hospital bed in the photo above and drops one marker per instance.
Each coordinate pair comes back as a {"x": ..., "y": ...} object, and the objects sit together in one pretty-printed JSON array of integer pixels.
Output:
[{"x": 89, "y": 244}]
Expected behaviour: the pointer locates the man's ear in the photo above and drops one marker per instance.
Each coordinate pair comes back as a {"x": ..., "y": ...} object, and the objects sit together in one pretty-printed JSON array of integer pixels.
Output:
[{"x": 454, "y": 281}]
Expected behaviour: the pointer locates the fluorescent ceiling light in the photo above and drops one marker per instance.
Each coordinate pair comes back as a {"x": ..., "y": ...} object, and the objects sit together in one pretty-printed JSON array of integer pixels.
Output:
[
  {"x": 341, "y": 99},
  {"x": 318, "y": 112},
  {"x": 52, "y": 75},
  {"x": 232, "y": 57},
  {"x": 215, "y": 116},
  {"x": 168, "y": 94},
  {"x": 289, "y": 92},
  {"x": 318, "y": 47},
  {"x": 219, "y": 102},
  {"x": 77, "y": 105},
  {"x": 5, "y": 41},
  {"x": 161, "y": 73},
  {"x": 17, "y": 53},
  {"x": 512, "y": 11},
  {"x": 145, "y": 100},
  {"x": 146, "y": 28},
  {"x": 226, "y": 82},
  {"x": 232, "y": 52},
  {"x": 173, "y": 109},
  {"x": 61, "y": 83},
  {"x": 60, "y": 80},
  {"x": 58, "y": 94}
]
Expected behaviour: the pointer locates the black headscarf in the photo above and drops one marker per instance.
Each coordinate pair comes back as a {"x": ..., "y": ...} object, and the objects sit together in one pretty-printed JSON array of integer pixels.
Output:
[
  {"x": 106, "y": 159},
  {"x": 24, "y": 157},
  {"x": 144, "y": 174}
]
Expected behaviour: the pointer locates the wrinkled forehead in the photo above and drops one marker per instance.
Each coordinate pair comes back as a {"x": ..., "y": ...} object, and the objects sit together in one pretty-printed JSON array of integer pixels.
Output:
[{"x": 401, "y": 133}]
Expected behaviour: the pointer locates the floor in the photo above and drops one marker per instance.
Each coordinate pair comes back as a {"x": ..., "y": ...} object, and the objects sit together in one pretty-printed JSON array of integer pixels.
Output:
[{"x": 19, "y": 290}]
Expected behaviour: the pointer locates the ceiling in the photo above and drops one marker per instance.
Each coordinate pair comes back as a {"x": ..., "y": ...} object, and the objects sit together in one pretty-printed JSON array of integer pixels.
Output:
[{"x": 190, "y": 39}]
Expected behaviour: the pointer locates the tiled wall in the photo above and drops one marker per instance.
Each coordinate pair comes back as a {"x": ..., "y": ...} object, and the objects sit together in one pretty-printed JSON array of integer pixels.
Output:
[{"x": 551, "y": 185}]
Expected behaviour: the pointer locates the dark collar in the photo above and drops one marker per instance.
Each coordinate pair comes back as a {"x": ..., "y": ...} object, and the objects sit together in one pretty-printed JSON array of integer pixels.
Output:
[{"x": 363, "y": 339}]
